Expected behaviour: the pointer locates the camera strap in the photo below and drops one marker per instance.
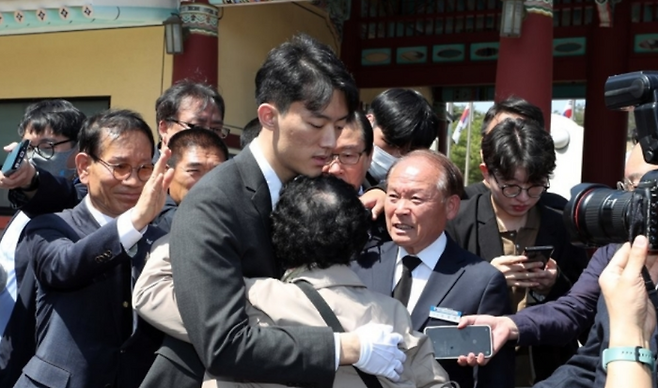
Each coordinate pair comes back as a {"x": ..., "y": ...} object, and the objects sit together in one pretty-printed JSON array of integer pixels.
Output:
[{"x": 331, "y": 320}]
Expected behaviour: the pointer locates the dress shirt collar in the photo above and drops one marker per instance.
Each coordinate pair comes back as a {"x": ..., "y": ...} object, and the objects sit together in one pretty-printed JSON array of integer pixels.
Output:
[
  {"x": 101, "y": 218},
  {"x": 273, "y": 182},
  {"x": 430, "y": 255}
]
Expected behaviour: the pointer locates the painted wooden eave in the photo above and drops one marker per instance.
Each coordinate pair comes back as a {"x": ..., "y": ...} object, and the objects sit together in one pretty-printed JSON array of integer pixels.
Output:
[{"x": 30, "y": 17}]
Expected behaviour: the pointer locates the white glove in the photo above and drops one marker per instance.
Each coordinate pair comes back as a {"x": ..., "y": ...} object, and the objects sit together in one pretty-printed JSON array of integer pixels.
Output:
[{"x": 379, "y": 351}]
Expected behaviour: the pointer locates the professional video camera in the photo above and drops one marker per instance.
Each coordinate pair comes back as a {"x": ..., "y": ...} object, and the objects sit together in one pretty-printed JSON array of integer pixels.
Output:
[{"x": 597, "y": 215}]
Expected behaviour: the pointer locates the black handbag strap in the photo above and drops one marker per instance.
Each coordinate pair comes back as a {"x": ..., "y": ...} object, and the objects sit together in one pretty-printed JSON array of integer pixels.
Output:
[{"x": 330, "y": 319}]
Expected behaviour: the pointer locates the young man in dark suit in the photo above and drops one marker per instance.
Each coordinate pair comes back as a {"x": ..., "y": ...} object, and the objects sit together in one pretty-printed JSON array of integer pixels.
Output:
[
  {"x": 86, "y": 259},
  {"x": 221, "y": 233},
  {"x": 498, "y": 225},
  {"x": 422, "y": 195}
]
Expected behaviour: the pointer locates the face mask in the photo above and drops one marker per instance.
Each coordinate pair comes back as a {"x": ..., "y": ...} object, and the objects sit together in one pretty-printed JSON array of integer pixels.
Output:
[
  {"x": 57, "y": 165},
  {"x": 381, "y": 163}
]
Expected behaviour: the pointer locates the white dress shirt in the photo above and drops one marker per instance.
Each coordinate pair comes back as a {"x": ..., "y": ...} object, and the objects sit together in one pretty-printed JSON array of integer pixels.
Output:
[
  {"x": 429, "y": 257},
  {"x": 274, "y": 184}
]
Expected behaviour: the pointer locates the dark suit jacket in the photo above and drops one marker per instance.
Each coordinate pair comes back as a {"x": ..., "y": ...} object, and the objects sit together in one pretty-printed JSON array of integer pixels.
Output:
[
  {"x": 475, "y": 228},
  {"x": 460, "y": 281},
  {"x": 86, "y": 333},
  {"x": 221, "y": 232},
  {"x": 53, "y": 195},
  {"x": 584, "y": 370},
  {"x": 18, "y": 345},
  {"x": 166, "y": 216}
]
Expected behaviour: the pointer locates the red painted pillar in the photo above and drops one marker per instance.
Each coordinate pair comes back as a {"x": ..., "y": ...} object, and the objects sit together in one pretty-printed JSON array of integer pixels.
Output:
[
  {"x": 604, "y": 146},
  {"x": 199, "y": 60},
  {"x": 350, "y": 51},
  {"x": 525, "y": 64}
]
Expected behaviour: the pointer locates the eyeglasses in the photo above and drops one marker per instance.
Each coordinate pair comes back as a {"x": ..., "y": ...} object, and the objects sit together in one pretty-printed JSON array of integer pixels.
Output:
[
  {"x": 47, "y": 149},
  {"x": 122, "y": 171},
  {"x": 626, "y": 185},
  {"x": 511, "y": 191},
  {"x": 346, "y": 158},
  {"x": 221, "y": 131}
]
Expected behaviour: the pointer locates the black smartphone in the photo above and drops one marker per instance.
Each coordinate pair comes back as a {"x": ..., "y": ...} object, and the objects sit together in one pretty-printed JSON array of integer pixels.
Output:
[
  {"x": 15, "y": 158},
  {"x": 539, "y": 253},
  {"x": 450, "y": 342}
]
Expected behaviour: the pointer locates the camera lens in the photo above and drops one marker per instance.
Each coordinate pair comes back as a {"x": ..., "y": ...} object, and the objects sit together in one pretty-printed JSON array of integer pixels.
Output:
[{"x": 599, "y": 215}]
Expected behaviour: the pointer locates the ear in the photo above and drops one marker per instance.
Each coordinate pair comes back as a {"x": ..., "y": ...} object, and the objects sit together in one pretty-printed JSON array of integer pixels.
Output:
[
  {"x": 452, "y": 206},
  {"x": 163, "y": 129},
  {"x": 268, "y": 115},
  {"x": 82, "y": 164},
  {"x": 371, "y": 118},
  {"x": 484, "y": 170}
]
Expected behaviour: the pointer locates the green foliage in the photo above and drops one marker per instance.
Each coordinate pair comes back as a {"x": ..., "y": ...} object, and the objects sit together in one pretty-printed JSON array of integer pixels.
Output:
[{"x": 458, "y": 151}]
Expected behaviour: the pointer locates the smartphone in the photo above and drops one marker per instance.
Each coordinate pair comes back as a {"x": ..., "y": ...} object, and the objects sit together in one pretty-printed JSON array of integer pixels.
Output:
[
  {"x": 15, "y": 158},
  {"x": 450, "y": 342},
  {"x": 538, "y": 253}
]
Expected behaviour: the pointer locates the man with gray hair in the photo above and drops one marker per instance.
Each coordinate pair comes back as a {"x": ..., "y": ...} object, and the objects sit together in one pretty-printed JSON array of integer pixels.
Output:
[{"x": 424, "y": 268}]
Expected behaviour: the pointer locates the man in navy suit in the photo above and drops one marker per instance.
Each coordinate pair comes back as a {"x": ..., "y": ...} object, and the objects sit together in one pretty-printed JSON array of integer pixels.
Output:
[
  {"x": 52, "y": 127},
  {"x": 423, "y": 193},
  {"x": 86, "y": 259}
]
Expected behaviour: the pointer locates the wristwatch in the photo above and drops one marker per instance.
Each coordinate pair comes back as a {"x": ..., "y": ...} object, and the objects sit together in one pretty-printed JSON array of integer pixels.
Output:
[{"x": 638, "y": 354}]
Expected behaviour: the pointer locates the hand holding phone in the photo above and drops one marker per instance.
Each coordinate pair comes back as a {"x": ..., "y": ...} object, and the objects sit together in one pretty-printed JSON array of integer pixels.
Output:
[
  {"x": 15, "y": 158},
  {"x": 538, "y": 254},
  {"x": 451, "y": 342}
]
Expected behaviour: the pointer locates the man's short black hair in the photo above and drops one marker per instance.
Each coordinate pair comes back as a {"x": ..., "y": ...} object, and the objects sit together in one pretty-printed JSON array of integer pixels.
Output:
[
  {"x": 304, "y": 70},
  {"x": 514, "y": 144},
  {"x": 250, "y": 132},
  {"x": 406, "y": 119},
  {"x": 196, "y": 137},
  {"x": 319, "y": 222},
  {"x": 517, "y": 106},
  {"x": 59, "y": 115},
  {"x": 168, "y": 104},
  {"x": 113, "y": 123},
  {"x": 363, "y": 124}
]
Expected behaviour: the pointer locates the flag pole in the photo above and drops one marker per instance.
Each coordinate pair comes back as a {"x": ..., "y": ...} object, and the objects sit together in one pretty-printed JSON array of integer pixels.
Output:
[
  {"x": 468, "y": 142},
  {"x": 450, "y": 108}
]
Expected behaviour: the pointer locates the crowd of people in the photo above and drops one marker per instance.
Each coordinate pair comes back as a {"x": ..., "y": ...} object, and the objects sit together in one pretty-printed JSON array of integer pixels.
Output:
[{"x": 316, "y": 256}]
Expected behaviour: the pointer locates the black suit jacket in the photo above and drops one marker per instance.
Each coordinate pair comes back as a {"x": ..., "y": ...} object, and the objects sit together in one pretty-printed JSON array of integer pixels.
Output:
[
  {"x": 584, "y": 370},
  {"x": 87, "y": 333},
  {"x": 18, "y": 345},
  {"x": 460, "y": 281},
  {"x": 221, "y": 232},
  {"x": 475, "y": 228}
]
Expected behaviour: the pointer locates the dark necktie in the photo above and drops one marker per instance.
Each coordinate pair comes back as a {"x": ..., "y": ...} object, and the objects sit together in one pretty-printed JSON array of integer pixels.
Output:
[{"x": 402, "y": 290}]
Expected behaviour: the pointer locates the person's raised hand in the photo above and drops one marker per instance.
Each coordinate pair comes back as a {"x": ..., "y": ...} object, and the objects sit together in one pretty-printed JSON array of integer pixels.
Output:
[
  {"x": 374, "y": 200},
  {"x": 503, "y": 329},
  {"x": 517, "y": 271},
  {"x": 154, "y": 193},
  {"x": 546, "y": 277},
  {"x": 22, "y": 177},
  {"x": 632, "y": 315}
]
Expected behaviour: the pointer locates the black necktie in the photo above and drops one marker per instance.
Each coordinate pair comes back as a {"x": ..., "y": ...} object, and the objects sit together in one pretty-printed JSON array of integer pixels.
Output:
[{"x": 402, "y": 290}]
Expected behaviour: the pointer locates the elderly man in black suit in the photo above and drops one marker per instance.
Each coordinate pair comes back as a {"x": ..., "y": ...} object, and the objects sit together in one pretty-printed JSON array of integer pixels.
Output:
[
  {"x": 86, "y": 259},
  {"x": 422, "y": 195},
  {"x": 221, "y": 232}
]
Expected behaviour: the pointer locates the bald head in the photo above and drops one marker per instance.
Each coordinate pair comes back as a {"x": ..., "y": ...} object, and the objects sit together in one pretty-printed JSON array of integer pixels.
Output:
[{"x": 636, "y": 167}]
